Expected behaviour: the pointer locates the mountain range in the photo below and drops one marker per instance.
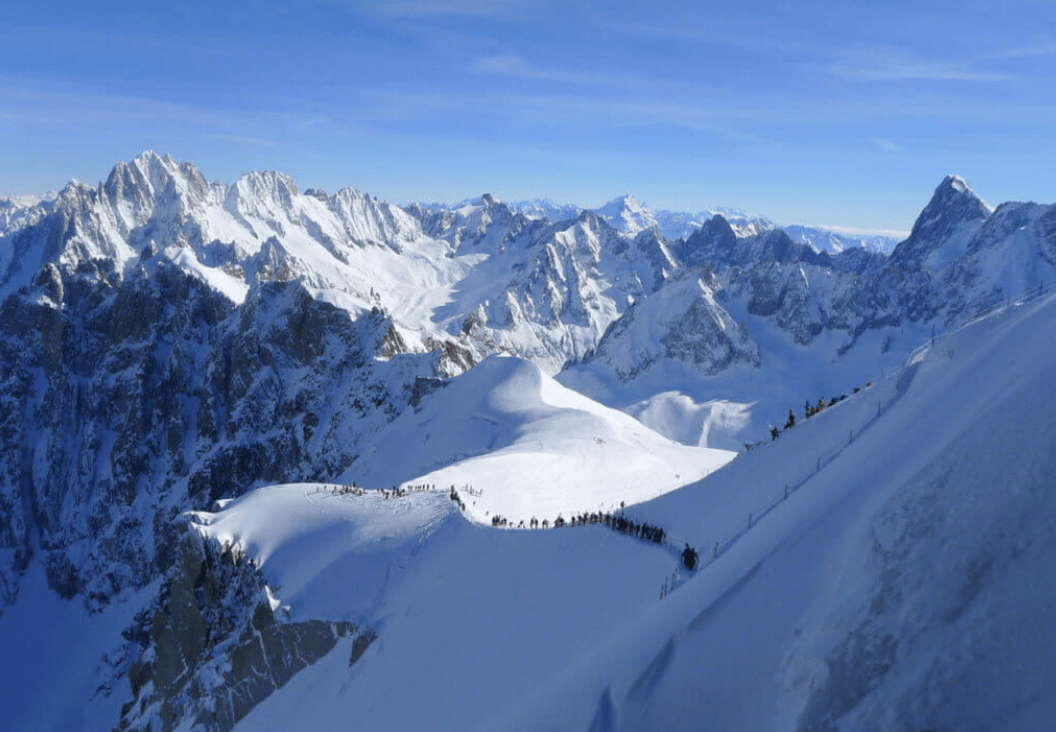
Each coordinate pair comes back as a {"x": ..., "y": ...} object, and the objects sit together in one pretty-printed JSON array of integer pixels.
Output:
[
  {"x": 629, "y": 216},
  {"x": 171, "y": 344}
]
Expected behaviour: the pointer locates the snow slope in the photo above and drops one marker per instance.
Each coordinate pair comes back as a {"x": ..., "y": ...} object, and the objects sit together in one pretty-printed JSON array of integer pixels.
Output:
[
  {"x": 527, "y": 446},
  {"x": 905, "y": 583},
  {"x": 469, "y": 619},
  {"x": 54, "y": 673}
]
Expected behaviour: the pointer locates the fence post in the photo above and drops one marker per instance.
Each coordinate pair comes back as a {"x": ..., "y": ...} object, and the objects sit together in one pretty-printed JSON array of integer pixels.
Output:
[
  {"x": 819, "y": 464},
  {"x": 749, "y": 521},
  {"x": 786, "y": 490}
]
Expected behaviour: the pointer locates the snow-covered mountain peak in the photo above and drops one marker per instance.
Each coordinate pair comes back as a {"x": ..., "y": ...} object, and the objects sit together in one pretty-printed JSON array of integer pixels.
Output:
[
  {"x": 834, "y": 240},
  {"x": 941, "y": 232},
  {"x": 267, "y": 185},
  {"x": 744, "y": 223},
  {"x": 27, "y": 200},
  {"x": 17, "y": 212},
  {"x": 626, "y": 202},
  {"x": 471, "y": 206},
  {"x": 953, "y": 198},
  {"x": 956, "y": 183},
  {"x": 628, "y": 215},
  {"x": 545, "y": 208},
  {"x": 150, "y": 160},
  {"x": 136, "y": 189}
]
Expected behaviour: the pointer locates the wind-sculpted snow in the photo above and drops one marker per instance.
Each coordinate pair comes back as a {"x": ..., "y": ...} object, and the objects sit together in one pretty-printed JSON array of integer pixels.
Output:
[
  {"x": 469, "y": 620},
  {"x": 521, "y": 446},
  {"x": 881, "y": 593},
  {"x": 299, "y": 534}
]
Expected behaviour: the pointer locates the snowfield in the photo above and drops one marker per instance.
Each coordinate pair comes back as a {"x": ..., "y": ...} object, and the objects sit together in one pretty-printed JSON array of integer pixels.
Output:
[
  {"x": 469, "y": 618},
  {"x": 905, "y": 583},
  {"x": 525, "y": 446}
]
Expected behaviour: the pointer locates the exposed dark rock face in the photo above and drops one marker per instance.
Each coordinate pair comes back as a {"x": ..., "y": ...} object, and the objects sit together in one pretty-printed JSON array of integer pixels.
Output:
[
  {"x": 213, "y": 648},
  {"x": 714, "y": 243},
  {"x": 132, "y": 400},
  {"x": 954, "y": 208}
]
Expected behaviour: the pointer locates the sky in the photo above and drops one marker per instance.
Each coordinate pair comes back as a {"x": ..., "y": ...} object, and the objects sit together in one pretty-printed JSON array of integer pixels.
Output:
[{"x": 844, "y": 114}]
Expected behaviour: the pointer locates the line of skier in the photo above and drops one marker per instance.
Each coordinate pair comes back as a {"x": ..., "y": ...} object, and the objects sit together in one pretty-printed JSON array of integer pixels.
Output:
[
  {"x": 347, "y": 490},
  {"x": 809, "y": 410},
  {"x": 386, "y": 493},
  {"x": 616, "y": 521},
  {"x": 402, "y": 491}
]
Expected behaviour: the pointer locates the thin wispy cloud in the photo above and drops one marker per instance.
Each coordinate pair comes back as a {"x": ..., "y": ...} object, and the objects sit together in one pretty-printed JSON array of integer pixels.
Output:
[
  {"x": 76, "y": 107},
  {"x": 515, "y": 66},
  {"x": 885, "y": 144},
  {"x": 601, "y": 112},
  {"x": 489, "y": 9},
  {"x": 25, "y": 117},
  {"x": 858, "y": 231},
  {"x": 893, "y": 64},
  {"x": 242, "y": 139},
  {"x": 919, "y": 72},
  {"x": 875, "y": 63},
  {"x": 1031, "y": 51},
  {"x": 741, "y": 117},
  {"x": 726, "y": 38}
]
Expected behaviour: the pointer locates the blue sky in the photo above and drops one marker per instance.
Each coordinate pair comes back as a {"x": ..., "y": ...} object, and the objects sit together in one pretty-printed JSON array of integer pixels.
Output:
[{"x": 845, "y": 114}]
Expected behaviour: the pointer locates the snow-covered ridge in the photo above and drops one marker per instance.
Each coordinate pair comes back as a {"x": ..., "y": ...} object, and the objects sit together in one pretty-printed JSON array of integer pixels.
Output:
[
  {"x": 489, "y": 278},
  {"x": 867, "y": 591},
  {"x": 258, "y": 229},
  {"x": 528, "y": 447}
]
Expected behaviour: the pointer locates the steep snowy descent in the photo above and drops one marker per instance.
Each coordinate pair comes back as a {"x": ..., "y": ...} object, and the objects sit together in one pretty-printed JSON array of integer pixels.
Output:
[{"x": 911, "y": 593}]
